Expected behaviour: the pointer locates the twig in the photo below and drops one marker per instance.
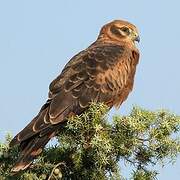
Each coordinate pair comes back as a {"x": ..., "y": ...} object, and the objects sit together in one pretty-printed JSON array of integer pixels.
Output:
[{"x": 61, "y": 163}]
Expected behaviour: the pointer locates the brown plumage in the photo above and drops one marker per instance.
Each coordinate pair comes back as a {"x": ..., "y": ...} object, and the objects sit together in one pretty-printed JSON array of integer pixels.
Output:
[{"x": 104, "y": 72}]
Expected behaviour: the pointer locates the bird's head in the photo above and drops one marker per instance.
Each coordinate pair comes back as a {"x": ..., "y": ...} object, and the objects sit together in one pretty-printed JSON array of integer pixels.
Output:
[{"x": 120, "y": 30}]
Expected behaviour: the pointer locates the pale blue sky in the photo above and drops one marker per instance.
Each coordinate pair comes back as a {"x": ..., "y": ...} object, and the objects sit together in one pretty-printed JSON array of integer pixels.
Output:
[{"x": 38, "y": 37}]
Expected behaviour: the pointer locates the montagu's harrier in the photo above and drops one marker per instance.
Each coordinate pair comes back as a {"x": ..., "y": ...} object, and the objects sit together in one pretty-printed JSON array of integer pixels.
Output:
[{"x": 104, "y": 72}]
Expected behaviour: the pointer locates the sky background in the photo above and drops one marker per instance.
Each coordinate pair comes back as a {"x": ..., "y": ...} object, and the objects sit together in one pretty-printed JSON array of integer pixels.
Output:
[{"x": 38, "y": 37}]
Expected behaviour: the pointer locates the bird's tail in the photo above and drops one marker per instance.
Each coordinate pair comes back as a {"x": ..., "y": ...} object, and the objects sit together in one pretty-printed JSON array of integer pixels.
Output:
[{"x": 29, "y": 150}]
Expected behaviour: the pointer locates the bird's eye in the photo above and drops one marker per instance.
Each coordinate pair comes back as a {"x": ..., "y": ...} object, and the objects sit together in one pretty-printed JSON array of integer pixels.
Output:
[{"x": 126, "y": 30}]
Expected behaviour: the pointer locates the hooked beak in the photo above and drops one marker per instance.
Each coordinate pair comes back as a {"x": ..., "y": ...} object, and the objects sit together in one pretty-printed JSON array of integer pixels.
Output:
[{"x": 137, "y": 38}]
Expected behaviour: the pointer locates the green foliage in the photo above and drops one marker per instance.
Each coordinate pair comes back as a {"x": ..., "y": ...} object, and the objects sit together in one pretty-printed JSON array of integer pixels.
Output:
[{"x": 90, "y": 147}]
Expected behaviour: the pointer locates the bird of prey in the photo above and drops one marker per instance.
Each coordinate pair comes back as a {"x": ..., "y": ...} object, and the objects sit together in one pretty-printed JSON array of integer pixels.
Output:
[{"x": 104, "y": 72}]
